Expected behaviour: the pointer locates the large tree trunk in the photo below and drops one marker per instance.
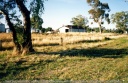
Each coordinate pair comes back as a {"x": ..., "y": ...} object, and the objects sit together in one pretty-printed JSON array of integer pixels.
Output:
[
  {"x": 27, "y": 44},
  {"x": 17, "y": 47}
]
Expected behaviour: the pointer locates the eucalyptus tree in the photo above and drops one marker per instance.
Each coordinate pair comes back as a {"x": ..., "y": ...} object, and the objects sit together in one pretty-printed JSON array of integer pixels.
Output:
[
  {"x": 121, "y": 20},
  {"x": 99, "y": 12},
  {"x": 79, "y": 21},
  {"x": 9, "y": 9}
]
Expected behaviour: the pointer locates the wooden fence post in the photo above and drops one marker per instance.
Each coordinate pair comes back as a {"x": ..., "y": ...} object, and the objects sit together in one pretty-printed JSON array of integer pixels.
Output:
[
  {"x": 61, "y": 41},
  {"x": 0, "y": 45}
]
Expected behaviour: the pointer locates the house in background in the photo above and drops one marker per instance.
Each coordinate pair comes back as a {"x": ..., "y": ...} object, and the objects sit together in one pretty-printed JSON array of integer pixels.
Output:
[
  {"x": 34, "y": 30},
  {"x": 2, "y": 27},
  {"x": 64, "y": 29},
  {"x": 7, "y": 30},
  {"x": 71, "y": 28}
]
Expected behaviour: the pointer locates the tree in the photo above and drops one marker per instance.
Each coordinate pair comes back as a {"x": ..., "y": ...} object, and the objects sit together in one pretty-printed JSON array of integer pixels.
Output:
[
  {"x": 121, "y": 20},
  {"x": 36, "y": 22},
  {"x": 8, "y": 9},
  {"x": 98, "y": 12},
  {"x": 79, "y": 21},
  {"x": 43, "y": 30},
  {"x": 48, "y": 29}
]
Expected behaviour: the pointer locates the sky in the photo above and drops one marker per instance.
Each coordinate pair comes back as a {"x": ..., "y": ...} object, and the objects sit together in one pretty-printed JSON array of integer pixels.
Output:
[{"x": 60, "y": 12}]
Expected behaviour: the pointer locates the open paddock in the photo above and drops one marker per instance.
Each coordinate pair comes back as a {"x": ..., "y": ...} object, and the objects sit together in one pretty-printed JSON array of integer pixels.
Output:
[
  {"x": 83, "y": 56},
  {"x": 59, "y": 39}
]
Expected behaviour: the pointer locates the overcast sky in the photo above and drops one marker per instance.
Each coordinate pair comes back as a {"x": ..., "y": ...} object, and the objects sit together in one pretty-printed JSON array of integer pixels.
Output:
[{"x": 60, "y": 12}]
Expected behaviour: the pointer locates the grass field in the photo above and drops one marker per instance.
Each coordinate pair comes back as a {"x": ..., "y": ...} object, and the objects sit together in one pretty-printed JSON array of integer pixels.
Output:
[{"x": 83, "y": 57}]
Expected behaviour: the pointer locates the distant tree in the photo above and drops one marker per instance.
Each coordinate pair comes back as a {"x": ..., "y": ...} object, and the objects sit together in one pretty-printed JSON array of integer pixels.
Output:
[
  {"x": 43, "y": 30},
  {"x": 98, "y": 12},
  {"x": 79, "y": 21},
  {"x": 48, "y": 29},
  {"x": 36, "y": 22},
  {"x": 89, "y": 29},
  {"x": 119, "y": 31},
  {"x": 121, "y": 20},
  {"x": 8, "y": 8},
  {"x": 96, "y": 29}
]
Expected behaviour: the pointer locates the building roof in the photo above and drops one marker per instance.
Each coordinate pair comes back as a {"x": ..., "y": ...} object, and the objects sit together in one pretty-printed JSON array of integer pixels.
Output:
[
  {"x": 1, "y": 23},
  {"x": 74, "y": 27}
]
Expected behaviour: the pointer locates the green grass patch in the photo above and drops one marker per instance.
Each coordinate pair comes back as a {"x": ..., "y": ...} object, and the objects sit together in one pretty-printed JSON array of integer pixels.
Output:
[{"x": 97, "y": 61}]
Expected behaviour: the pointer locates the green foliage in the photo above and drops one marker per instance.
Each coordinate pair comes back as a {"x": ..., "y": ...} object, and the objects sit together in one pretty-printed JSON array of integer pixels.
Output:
[
  {"x": 96, "y": 29},
  {"x": 36, "y": 22},
  {"x": 99, "y": 11},
  {"x": 119, "y": 31},
  {"x": 48, "y": 29},
  {"x": 99, "y": 63},
  {"x": 37, "y": 7},
  {"x": 20, "y": 38},
  {"x": 96, "y": 14},
  {"x": 43, "y": 30},
  {"x": 80, "y": 21},
  {"x": 9, "y": 8},
  {"x": 121, "y": 20}
]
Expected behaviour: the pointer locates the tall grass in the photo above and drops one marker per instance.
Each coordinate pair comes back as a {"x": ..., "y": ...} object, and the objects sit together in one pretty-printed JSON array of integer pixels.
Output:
[
  {"x": 70, "y": 38},
  {"x": 56, "y": 39}
]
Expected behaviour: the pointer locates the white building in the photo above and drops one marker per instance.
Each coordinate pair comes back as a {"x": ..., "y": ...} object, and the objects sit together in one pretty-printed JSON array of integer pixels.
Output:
[
  {"x": 2, "y": 27},
  {"x": 34, "y": 30},
  {"x": 64, "y": 29},
  {"x": 7, "y": 30},
  {"x": 71, "y": 28}
]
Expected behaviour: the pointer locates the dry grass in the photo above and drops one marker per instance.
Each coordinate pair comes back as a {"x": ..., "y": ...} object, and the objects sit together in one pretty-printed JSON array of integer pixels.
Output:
[
  {"x": 83, "y": 57},
  {"x": 70, "y": 38},
  {"x": 56, "y": 39},
  {"x": 5, "y": 36},
  {"x": 6, "y": 40}
]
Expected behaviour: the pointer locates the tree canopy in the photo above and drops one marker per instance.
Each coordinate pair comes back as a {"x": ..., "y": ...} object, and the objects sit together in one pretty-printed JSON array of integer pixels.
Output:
[
  {"x": 36, "y": 22},
  {"x": 80, "y": 21},
  {"x": 121, "y": 20},
  {"x": 99, "y": 11}
]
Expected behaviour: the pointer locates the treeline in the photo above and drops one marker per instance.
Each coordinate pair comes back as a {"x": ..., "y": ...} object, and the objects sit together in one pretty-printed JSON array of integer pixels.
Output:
[{"x": 104, "y": 30}]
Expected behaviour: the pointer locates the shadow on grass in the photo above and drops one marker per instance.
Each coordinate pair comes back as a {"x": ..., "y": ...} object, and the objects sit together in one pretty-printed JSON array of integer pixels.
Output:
[
  {"x": 91, "y": 52},
  {"x": 88, "y": 41},
  {"x": 6, "y": 48},
  {"x": 96, "y": 52},
  {"x": 6, "y": 40},
  {"x": 51, "y": 44},
  {"x": 11, "y": 69},
  {"x": 57, "y": 44}
]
